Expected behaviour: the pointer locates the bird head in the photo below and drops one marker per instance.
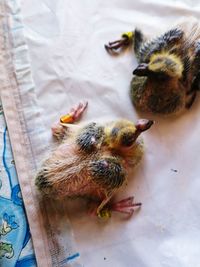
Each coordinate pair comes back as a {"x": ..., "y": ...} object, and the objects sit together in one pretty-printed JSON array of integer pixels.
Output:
[
  {"x": 161, "y": 64},
  {"x": 123, "y": 134}
]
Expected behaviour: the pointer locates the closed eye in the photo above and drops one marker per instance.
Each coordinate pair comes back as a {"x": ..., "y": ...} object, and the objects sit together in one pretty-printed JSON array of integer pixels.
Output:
[{"x": 128, "y": 139}]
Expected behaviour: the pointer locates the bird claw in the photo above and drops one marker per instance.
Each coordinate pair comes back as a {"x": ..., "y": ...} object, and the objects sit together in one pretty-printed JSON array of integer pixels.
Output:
[
  {"x": 126, "y": 205},
  {"x": 124, "y": 41},
  {"x": 74, "y": 114},
  {"x": 58, "y": 129}
]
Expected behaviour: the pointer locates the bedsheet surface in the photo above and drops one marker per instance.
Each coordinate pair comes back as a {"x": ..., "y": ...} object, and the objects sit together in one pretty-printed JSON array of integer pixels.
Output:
[{"x": 69, "y": 63}]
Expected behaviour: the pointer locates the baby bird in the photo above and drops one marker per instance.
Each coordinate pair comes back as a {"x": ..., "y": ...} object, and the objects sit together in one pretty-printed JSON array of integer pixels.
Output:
[
  {"x": 93, "y": 161},
  {"x": 167, "y": 77}
]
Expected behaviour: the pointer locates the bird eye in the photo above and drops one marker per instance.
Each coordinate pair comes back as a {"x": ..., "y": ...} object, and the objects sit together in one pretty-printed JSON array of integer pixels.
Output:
[{"x": 128, "y": 139}]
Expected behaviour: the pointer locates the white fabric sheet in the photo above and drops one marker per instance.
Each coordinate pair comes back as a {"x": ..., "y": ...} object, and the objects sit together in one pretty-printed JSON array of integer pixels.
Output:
[{"x": 69, "y": 63}]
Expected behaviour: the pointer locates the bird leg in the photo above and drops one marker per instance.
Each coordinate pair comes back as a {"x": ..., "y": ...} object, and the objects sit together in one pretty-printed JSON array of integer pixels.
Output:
[
  {"x": 124, "y": 41},
  {"x": 193, "y": 90},
  {"x": 126, "y": 206},
  {"x": 59, "y": 129},
  {"x": 192, "y": 96},
  {"x": 104, "y": 212}
]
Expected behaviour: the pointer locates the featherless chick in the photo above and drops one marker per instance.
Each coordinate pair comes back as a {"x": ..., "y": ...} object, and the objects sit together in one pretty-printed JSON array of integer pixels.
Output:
[
  {"x": 93, "y": 161},
  {"x": 166, "y": 79}
]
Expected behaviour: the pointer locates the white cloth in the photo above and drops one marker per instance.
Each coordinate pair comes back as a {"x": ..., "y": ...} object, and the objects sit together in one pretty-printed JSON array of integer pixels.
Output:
[{"x": 69, "y": 63}]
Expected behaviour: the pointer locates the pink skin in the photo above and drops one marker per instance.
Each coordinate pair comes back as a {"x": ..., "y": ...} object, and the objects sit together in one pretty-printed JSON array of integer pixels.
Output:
[
  {"x": 76, "y": 112},
  {"x": 117, "y": 44},
  {"x": 58, "y": 130},
  {"x": 126, "y": 205}
]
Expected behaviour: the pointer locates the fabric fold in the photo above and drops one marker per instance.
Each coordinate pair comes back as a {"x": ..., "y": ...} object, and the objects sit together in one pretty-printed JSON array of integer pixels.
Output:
[{"x": 28, "y": 139}]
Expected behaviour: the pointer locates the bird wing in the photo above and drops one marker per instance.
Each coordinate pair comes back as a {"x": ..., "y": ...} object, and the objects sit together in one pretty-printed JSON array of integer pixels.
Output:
[
  {"x": 90, "y": 137},
  {"x": 166, "y": 41},
  {"x": 190, "y": 50},
  {"x": 107, "y": 172}
]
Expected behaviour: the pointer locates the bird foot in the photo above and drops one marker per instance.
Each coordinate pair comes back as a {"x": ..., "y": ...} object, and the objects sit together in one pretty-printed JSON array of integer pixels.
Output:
[
  {"x": 124, "y": 41},
  {"x": 74, "y": 114},
  {"x": 126, "y": 205},
  {"x": 59, "y": 129}
]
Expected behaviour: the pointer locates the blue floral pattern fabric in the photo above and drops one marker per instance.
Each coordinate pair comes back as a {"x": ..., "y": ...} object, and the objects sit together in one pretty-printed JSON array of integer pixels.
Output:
[{"x": 15, "y": 240}]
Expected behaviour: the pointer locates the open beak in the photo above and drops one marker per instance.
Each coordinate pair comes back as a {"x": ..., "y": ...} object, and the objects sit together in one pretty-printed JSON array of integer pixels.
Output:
[
  {"x": 141, "y": 70},
  {"x": 143, "y": 125}
]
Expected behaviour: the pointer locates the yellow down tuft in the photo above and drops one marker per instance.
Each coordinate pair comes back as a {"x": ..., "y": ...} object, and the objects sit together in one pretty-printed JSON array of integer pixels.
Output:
[{"x": 166, "y": 62}]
